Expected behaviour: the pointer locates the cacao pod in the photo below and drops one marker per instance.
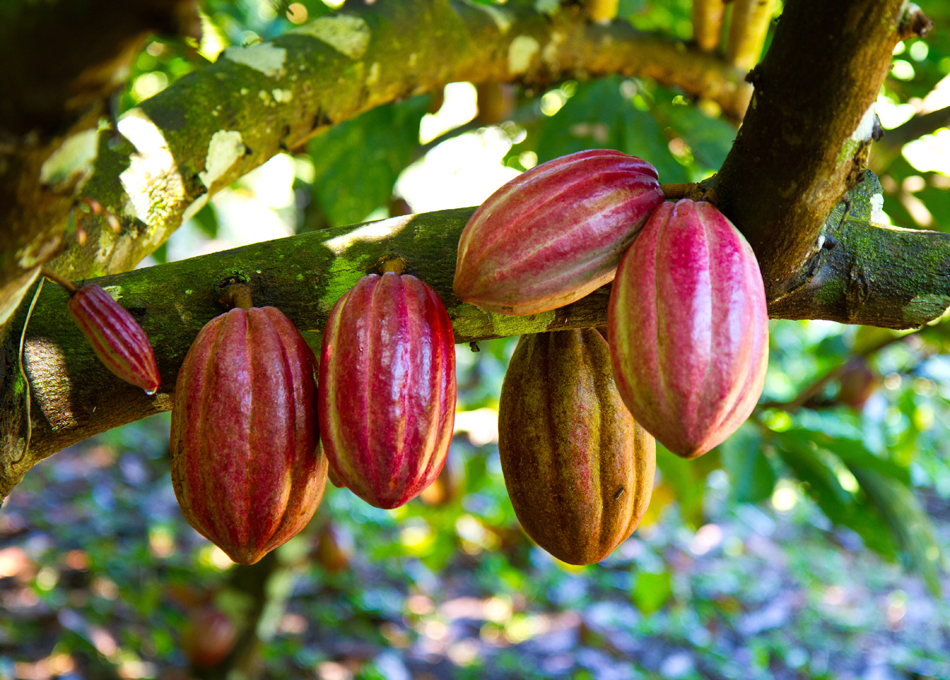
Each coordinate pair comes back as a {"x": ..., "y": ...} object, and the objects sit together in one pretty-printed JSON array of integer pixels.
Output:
[
  {"x": 387, "y": 388},
  {"x": 857, "y": 383},
  {"x": 115, "y": 337},
  {"x": 208, "y": 637},
  {"x": 578, "y": 468},
  {"x": 555, "y": 233},
  {"x": 246, "y": 462},
  {"x": 449, "y": 486},
  {"x": 688, "y": 327},
  {"x": 334, "y": 549}
]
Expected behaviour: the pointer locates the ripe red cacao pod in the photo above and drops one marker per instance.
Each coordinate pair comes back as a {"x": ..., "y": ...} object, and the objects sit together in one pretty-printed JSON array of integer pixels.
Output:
[
  {"x": 246, "y": 462},
  {"x": 387, "y": 388},
  {"x": 688, "y": 327},
  {"x": 578, "y": 468},
  {"x": 115, "y": 337},
  {"x": 555, "y": 233}
]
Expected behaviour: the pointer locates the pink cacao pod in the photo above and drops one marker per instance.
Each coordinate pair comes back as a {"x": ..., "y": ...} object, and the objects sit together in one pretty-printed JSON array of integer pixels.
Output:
[
  {"x": 688, "y": 327},
  {"x": 246, "y": 462},
  {"x": 578, "y": 468},
  {"x": 115, "y": 337},
  {"x": 555, "y": 233},
  {"x": 387, "y": 388}
]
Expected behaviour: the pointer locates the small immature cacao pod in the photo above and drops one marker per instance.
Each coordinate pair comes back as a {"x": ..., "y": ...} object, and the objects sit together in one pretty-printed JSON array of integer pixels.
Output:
[
  {"x": 555, "y": 233},
  {"x": 246, "y": 462},
  {"x": 115, "y": 337},
  {"x": 387, "y": 388},
  {"x": 688, "y": 327},
  {"x": 578, "y": 468}
]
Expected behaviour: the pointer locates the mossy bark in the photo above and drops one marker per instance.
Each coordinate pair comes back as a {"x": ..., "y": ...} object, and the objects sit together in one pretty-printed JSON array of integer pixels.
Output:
[
  {"x": 74, "y": 396},
  {"x": 216, "y": 124},
  {"x": 61, "y": 64},
  {"x": 809, "y": 128}
]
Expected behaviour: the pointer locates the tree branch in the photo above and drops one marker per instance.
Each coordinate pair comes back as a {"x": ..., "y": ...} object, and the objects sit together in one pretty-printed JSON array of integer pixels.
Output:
[
  {"x": 75, "y": 397},
  {"x": 218, "y": 123},
  {"x": 62, "y": 62},
  {"x": 893, "y": 141},
  {"x": 805, "y": 138}
]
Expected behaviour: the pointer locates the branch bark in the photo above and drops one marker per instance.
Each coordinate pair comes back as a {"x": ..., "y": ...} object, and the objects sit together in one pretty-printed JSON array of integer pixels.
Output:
[
  {"x": 75, "y": 397},
  {"x": 62, "y": 61},
  {"x": 215, "y": 125},
  {"x": 806, "y": 136}
]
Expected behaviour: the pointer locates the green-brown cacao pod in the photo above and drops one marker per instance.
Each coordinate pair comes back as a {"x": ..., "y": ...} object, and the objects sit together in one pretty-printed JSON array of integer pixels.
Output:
[
  {"x": 578, "y": 468},
  {"x": 247, "y": 467}
]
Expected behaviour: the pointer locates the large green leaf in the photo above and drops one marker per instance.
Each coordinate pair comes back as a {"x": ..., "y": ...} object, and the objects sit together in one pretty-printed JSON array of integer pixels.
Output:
[
  {"x": 687, "y": 478},
  {"x": 907, "y": 520},
  {"x": 752, "y": 477},
  {"x": 356, "y": 163},
  {"x": 710, "y": 139},
  {"x": 855, "y": 454},
  {"x": 818, "y": 471}
]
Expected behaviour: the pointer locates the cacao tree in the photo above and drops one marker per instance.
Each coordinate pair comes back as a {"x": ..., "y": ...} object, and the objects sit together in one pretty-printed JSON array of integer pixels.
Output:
[{"x": 95, "y": 178}]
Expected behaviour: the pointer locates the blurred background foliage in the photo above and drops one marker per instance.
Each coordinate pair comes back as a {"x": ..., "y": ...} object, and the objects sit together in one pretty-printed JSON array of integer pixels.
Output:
[{"x": 810, "y": 544}]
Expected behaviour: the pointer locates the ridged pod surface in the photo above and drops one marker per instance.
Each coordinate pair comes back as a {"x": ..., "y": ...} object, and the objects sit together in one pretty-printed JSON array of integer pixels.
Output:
[
  {"x": 555, "y": 233},
  {"x": 387, "y": 388},
  {"x": 688, "y": 327},
  {"x": 246, "y": 462},
  {"x": 115, "y": 337},
  {"x": 578, "y": 468}
]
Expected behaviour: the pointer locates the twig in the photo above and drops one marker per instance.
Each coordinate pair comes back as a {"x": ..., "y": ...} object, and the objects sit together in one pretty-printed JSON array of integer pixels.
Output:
[
  {"x": 818, "y": 385},
  {"x": 66, "y": 284},
  {"x": 26, "y": 380}
]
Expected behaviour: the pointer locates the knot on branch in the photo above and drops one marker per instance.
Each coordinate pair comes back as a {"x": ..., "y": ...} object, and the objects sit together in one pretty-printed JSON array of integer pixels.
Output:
[{"x": 914, "y": 23}]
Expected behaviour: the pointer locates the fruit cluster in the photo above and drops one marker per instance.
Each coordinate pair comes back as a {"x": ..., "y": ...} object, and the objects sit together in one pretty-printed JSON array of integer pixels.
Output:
[
  {"x": 687, "y": 328},
  {"x": 683, "y": 361}
]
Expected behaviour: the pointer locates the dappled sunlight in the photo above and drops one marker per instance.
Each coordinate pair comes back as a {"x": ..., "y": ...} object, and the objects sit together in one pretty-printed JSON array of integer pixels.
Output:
[
  {"x": 372, "y": 232},
  {"x": 459, "y": 172}
]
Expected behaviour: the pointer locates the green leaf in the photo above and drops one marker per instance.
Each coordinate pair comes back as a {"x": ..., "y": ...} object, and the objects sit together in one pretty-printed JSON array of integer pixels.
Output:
[
  {"x": 687, "y": 478},
  {"x": 817, "y": 469},
  {"x": 752, "y": 477},
  {"x": 855, "y": 453},
  {"x": 599, "y": 116},
  {"x": 908, "y": 522},
  {"x": 710, "y": 139},
  {"x": 651, "y": 591},
  {"x": 356, "y": 163},
  {"x": 206, "y": 220}
]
